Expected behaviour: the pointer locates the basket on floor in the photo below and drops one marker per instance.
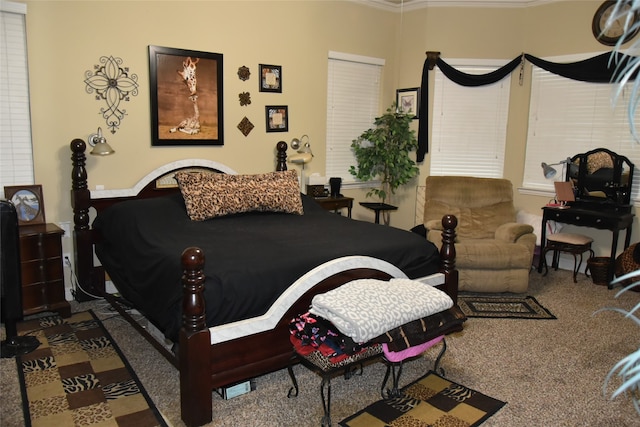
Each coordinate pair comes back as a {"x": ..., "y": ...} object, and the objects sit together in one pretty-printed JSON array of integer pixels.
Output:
[{"x": 599, "y": 267}]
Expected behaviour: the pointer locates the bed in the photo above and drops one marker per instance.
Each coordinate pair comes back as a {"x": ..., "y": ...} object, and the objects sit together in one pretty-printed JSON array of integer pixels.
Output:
[{"x": 229, "y": 316}]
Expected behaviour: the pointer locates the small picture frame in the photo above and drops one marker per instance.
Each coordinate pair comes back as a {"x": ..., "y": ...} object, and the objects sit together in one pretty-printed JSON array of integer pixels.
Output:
[
  {"x": 270, "y": 78},
  {"x": 277, "y": 118},
  {"x": 28, "y": 202},
  {"x": 408, "y": 101}
]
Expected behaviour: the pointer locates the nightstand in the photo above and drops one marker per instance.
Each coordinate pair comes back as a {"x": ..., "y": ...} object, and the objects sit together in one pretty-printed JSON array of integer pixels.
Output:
[
  {"x": 335, "y": 203},
  {"x": 42, "y": 270}
]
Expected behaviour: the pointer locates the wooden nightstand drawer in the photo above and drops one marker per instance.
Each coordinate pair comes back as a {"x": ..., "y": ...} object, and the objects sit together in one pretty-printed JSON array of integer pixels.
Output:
[
  {"x": 45, "y": 270},
  {"x": 40, "y": 246}
]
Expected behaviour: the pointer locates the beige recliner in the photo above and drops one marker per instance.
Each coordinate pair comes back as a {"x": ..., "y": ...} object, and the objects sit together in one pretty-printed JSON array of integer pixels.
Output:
[{"x": 493, "y": 252}]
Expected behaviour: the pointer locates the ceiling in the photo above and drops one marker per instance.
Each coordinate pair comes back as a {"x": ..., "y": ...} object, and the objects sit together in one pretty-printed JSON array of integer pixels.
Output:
[{"x": 397, "y": 5}]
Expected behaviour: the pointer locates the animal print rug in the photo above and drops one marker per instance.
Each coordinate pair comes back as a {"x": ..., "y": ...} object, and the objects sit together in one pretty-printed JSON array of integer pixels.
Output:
[
  {"x": 429, "y": 401},
  {"x": 79, "y": 377}
]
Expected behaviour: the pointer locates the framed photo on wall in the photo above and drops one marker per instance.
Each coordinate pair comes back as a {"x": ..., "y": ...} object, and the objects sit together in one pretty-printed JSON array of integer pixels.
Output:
[
  {"x": 270, "y": 78},
  {"x": 277, "y": 118},
  {"x": 408, "y": 101},
  {"x": 186, "y": 97},
  {"x": 28, "y": 202}
]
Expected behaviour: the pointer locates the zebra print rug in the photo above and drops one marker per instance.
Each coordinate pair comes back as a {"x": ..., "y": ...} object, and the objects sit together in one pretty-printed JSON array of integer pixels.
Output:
[
  {"x": 429, "y": 401},
  {"x": 79, "y": 377}
]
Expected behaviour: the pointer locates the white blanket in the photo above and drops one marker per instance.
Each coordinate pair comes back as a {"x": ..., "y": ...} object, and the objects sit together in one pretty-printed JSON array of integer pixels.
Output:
[{"x": 366, "y": 308}]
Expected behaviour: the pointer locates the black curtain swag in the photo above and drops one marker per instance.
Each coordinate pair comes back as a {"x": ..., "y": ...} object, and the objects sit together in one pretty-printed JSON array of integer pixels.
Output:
[{"x": 602, "y": 68}]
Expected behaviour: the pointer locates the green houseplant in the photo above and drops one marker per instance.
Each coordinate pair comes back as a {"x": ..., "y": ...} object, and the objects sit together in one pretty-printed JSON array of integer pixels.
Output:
[{"x": 382, "y": 153}]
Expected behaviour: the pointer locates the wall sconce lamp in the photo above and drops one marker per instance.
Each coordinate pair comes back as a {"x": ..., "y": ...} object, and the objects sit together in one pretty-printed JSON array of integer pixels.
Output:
[
  {"x": 304, "y": 155},
  {"x": 549, "y": 171},
  {"x": 99, "y": 144}
]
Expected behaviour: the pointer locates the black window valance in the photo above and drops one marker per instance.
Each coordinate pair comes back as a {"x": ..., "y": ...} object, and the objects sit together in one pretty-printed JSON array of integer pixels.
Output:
[{"x": 602, "y": 68}]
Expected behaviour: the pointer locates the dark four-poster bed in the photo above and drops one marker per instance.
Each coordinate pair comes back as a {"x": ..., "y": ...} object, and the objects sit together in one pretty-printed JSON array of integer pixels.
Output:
[{"x": 225, "y": 285}]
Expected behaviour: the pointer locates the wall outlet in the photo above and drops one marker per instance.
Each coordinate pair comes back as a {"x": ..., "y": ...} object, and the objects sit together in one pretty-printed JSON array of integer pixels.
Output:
[{"x": 66, "y": 257}]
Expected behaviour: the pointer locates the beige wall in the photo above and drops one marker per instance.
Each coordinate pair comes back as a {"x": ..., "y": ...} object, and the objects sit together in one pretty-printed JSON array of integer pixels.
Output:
[{"x": 67, "y": 38}]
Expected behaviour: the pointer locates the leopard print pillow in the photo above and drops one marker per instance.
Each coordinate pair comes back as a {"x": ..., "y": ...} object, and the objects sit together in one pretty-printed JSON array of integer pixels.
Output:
[
  {"x": 209, "y": 195},
  {"x": 599, "y": 160}
]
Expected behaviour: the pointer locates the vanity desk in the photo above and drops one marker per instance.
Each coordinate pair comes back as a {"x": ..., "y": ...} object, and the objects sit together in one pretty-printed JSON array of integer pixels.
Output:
[
  {"x": 602, "y": 181},
  {"x": 615, "y": 221}
]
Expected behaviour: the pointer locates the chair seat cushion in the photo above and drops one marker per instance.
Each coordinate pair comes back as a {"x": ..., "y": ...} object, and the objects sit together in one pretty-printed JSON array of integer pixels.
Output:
[
  {"x": 570, "y": 238},
  {"x": 491, "y": 254}
]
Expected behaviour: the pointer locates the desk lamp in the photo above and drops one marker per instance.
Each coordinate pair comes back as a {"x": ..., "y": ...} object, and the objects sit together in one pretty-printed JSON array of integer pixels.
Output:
[{"x": 549, "y": 171}]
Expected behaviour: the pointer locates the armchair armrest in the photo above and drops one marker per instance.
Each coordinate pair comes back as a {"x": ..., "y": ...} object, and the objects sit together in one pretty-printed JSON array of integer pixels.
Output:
[
  {"x": 512, "y": 231},
  {"x": 434, "y": 224}
]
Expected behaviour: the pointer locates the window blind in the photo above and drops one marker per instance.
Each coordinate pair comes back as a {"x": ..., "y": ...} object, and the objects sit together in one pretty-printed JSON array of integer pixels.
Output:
[
  {"x": 567, "y": 117},
  {"x": 469, "y": 126},
  {"x": 353, "y": 102},
  {"x": 16, "y": 156}
]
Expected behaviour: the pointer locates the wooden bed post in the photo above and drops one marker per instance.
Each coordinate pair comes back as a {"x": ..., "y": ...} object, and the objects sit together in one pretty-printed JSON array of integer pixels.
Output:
[
  {"x": 448, "y": 256},
  {"x": 83, "y": 240},
  {"x": 194, "y": 350},
  {"x": 281, "y": 156}
]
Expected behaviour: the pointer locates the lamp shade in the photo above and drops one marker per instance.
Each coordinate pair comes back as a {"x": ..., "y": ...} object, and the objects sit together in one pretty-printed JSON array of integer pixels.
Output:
[
  {"x": 301, "y": 158},
  {"x": 548, "y": 171},
  {"x": 100, "y": 145},
  {"x": 102, "y": 149}
]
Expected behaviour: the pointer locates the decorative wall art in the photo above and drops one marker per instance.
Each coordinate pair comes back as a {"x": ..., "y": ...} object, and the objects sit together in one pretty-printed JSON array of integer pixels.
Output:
[
  {"x": 408, "y": 100},
  {"x": 244, "y": 73},
  {"x": 245, "y": 98},
  {"x": 245, "y": 126},
  {"x": 270, "y": 78},
  {"x": 186, "y": 97},
  {"x": 28, "y": 202},
  {"x": 277, "y": 118},
  {"x": 112, "y": 84}
]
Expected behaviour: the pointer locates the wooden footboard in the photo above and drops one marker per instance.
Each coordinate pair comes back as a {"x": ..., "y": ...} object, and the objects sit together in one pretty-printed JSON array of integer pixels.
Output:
[{"x": 204, "y": 367}]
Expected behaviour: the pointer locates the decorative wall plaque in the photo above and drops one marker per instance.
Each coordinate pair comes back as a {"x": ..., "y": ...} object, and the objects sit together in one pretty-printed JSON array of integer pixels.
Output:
[
  {"x": 245, "y": 126},
  {"x": 244, "y": 73},
  {"x": 245, "y": 98},
  {"x": 112, "y": 83}
]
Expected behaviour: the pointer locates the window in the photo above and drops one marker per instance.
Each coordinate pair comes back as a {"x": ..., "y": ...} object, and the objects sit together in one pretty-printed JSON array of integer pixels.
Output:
[
  {"x": 16, "y": 157},
  {"x": 469, "y": 126},
  {"x": 567, "y": 117},
  {"x": 353, "y": 102}
]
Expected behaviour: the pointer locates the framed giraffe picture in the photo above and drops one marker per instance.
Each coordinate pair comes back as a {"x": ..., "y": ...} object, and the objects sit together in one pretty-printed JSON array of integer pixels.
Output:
[{"x": 186, "y": 97}]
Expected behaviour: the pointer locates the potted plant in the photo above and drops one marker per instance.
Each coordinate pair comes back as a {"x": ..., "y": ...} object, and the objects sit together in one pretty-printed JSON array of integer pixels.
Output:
[{"x": 382, "y": 153}]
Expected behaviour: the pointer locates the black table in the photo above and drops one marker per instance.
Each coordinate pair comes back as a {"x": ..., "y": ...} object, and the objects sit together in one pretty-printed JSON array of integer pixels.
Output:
[
  {"x": 378, "y": 207},
  {"x": 616, "y": 220}
]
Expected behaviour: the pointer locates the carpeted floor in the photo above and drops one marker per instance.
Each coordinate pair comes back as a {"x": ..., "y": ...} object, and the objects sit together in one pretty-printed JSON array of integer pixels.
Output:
[{"x": 550, "y": 372}]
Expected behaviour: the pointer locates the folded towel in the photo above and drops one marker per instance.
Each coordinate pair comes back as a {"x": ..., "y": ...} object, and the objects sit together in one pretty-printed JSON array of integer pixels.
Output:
[{"x": 366, "y": 308}]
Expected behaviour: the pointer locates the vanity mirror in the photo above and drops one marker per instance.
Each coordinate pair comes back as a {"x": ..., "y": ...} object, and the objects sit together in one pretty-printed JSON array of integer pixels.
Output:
[{"x": 601, "y": 178}]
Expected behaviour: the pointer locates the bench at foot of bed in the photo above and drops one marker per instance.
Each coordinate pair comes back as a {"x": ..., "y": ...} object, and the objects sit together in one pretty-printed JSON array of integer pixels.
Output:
[{"x": 327, "y": 368}]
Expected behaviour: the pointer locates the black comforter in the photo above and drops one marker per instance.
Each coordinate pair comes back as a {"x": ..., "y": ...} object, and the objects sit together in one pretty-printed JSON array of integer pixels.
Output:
[{"x": 250, "y": 259}]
